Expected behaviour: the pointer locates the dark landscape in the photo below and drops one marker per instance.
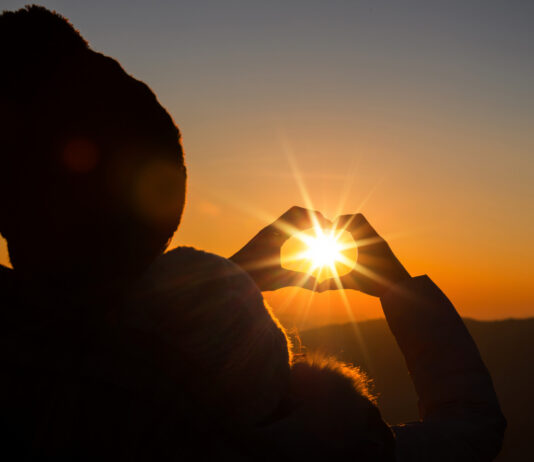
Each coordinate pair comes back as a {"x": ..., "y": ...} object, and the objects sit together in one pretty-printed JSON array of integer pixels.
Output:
[{"x": 506, "y": 346}]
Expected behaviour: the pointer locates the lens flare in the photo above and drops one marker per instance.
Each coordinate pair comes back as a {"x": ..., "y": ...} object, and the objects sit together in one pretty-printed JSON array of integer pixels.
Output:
[
  {"x": 322, "y": 253},
  {"x": 323, "y": 250}
]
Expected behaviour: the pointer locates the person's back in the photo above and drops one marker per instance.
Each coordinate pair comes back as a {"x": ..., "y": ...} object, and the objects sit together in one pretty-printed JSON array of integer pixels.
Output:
[
  {"x": 56, "y": 401},
  {"x": 127, "y": 378}
]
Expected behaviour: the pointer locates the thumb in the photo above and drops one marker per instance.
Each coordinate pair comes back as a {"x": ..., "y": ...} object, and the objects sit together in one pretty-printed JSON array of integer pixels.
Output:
[
  {"x": 348, "y": 281},
  {"x": 297, "y": 279}
]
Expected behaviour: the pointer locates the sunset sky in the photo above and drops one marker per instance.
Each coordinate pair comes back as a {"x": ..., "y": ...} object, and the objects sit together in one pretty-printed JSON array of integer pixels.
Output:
[{"x": 420, "y": 114}]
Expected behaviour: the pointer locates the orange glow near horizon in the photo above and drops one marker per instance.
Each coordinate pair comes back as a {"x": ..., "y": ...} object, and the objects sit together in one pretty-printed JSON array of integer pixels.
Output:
[
  {"x": 436, "y": 155},
  {"x": 475, "y": 246},
  {"x": 428, "y": 134}
]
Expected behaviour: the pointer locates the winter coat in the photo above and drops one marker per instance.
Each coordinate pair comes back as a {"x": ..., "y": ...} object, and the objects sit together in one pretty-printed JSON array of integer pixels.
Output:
[{"x": 192, "y": 365}]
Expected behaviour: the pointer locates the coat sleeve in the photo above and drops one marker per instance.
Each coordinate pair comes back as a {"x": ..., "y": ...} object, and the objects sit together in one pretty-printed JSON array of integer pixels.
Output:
[{"x": 460, "y": 416}]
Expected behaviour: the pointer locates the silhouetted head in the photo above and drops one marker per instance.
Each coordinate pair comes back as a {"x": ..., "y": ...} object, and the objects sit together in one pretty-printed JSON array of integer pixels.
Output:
[{"x": 92, "y": 181}]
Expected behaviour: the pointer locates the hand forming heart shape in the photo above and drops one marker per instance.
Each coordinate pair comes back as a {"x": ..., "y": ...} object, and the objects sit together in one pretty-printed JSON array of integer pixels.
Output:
[{"x": 374, "y": 272}]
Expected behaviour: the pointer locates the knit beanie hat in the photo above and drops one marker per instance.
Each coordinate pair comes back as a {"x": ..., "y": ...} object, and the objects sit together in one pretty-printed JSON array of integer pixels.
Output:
[{"x": 92, "y": 165}]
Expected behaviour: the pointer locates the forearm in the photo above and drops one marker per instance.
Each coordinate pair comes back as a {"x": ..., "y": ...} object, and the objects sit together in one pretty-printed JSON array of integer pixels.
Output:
[{"x": 457, "y": 401}]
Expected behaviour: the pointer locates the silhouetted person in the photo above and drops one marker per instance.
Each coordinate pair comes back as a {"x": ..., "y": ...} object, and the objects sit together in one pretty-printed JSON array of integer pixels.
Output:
[
  {"x": 111, "y": 350},
  {"x": 107, "y": 351},
  {"x": 461, "y": 419},
  {"x": 92, "y": 189}
]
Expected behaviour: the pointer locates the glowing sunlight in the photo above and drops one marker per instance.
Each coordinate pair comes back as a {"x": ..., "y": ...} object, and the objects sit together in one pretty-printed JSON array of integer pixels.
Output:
[
  {"x": 323, "y": 250},
  {"x": 322, "y": 253}
]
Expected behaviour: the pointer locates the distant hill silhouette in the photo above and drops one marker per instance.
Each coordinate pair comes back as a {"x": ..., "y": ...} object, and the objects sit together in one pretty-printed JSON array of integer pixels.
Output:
[{"x": 506, "y": 346}]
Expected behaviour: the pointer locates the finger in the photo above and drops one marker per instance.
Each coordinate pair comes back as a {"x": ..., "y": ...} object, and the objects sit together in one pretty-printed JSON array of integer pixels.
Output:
[
  {"x": 294, "y": 214},
  {"x": 328, "y": 284},
  {"x": 302, "y": 218},
  {"x": 299, "y": 219},
  {"x": 357, "y": 225},
  {"x": 348, "y": 281}
]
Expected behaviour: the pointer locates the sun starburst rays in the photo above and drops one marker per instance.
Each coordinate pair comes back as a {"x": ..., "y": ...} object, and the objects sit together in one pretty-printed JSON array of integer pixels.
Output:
[
  {"x": 322, "y": 253},
  {"x": 345, "y": 251}
]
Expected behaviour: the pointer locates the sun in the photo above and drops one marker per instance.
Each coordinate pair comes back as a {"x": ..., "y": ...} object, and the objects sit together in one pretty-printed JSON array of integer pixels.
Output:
[
  {"x": 323, "y": 253},
  {"x": 323, "y": 250}
]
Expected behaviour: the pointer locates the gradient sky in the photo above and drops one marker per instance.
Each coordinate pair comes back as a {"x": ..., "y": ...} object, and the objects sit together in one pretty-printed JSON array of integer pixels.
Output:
[{"x": 420, "y": 114}]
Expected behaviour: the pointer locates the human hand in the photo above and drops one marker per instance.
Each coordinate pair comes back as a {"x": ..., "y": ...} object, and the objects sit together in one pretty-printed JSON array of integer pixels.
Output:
[
  {"x": 261, "y": 256},
  {"x": 377, "y": 268}
]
